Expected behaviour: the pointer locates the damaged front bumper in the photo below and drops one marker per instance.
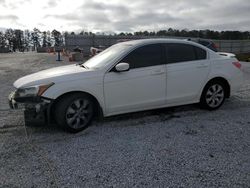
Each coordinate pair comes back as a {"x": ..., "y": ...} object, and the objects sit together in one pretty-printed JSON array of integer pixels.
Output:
[
  {"x": 35, "y": 108},
  {"x": 12, "y": 103}
]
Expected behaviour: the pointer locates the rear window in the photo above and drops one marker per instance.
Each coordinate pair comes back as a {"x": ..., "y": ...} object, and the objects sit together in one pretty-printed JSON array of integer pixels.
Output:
[{"x": 183, "y": 52}]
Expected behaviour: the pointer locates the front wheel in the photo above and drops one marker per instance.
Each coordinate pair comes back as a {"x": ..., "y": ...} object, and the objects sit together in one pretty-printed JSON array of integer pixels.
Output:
[
  {"x": 213, "y": 95},
  {"x": 74, "y": 112}
]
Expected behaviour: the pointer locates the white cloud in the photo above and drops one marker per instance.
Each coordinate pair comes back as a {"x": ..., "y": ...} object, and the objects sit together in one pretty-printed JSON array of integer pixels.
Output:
[{"x": 126, "y": 15}]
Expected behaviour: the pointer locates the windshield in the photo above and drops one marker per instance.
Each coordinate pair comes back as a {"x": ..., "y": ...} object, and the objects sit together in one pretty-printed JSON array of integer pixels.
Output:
[{"x": 102, "y": 59}]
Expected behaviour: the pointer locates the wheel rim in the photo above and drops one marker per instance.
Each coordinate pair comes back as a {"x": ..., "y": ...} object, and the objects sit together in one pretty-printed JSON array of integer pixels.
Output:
[
  {"x": 78, "y": 113},
  {"x": 215, "y": 96}
]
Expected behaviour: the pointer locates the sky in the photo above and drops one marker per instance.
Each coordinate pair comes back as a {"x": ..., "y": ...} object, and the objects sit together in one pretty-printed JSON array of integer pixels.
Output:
[{"x": 125, "y": 15}]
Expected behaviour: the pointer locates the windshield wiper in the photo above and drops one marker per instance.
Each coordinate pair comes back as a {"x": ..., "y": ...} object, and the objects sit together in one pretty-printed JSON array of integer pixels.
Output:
[{"x": 82, "y": 65}]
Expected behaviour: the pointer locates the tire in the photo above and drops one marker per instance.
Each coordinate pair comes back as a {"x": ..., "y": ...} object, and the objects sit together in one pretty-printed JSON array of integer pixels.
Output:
[
  {"x": 213, "y": 95},
  {"x": 74, "y": 112}
]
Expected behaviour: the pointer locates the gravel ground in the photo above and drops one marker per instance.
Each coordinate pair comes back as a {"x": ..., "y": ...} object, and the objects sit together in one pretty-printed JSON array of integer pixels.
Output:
[{"x": 174, "y": 147}]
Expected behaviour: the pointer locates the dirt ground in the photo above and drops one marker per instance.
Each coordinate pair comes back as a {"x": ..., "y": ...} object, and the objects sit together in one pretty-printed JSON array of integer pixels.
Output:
[{"x": 173, "y": 147}]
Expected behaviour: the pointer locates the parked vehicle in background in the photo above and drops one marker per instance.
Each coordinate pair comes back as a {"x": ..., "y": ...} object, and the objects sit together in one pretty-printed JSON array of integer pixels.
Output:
[
  {"x": 212, "y": 46},
  {"x": 205, "y": 42},
  {"x": 209, "y": 44},
  {"x": 128, "y": 77}
]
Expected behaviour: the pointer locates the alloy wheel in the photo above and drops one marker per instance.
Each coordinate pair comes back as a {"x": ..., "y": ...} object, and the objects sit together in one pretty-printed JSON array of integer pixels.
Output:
[
  {"x": 215, "y": 96},
  {"x": 78, "y": 113}
]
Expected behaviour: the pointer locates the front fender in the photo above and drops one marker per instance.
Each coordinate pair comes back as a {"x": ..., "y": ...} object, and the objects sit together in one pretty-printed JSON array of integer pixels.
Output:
[{"x": 58, "y": 89}]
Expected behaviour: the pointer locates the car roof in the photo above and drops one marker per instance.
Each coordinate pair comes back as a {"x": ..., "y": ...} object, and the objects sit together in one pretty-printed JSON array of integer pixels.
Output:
[
  {"x": 141, "y": 42},
  {"x": 158, "y": 40}
]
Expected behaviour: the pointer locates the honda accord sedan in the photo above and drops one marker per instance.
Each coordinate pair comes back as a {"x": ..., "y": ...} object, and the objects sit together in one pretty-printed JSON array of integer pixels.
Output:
[{"x": 129, "y": 77}]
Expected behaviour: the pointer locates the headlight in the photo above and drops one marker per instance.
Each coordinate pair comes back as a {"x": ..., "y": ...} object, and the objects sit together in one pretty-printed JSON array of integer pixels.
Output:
[{"x": 33, "y": 90}]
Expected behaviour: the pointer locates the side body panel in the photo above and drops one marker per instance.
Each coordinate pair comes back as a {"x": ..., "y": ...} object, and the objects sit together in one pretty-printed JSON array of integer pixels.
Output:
[
  {"x": 185, "y": 80},
  {"x": 136, "y": 89}
]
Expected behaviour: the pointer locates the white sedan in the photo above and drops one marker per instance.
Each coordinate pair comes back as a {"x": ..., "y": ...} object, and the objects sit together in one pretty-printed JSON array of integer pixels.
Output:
[{"x": 128, "y": 77}]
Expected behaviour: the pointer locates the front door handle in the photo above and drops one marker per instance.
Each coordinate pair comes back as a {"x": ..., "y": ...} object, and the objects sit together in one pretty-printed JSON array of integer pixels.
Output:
[{"x": 157, "y": 72}]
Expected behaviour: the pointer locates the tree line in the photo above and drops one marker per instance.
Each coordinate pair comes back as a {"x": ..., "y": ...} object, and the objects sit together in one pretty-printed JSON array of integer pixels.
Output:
[
  {"x": 25, "y": 40},
  {"x": 206, "y": 34},
  {"x": 22, "y": 40}
]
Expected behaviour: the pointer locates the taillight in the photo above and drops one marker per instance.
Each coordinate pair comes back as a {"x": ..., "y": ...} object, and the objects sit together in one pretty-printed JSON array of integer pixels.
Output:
[{"x": 237, "y": 64}]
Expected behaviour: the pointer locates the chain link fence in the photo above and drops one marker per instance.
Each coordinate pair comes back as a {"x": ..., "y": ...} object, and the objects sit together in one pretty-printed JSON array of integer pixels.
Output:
[{"x": 85, "y": 42}]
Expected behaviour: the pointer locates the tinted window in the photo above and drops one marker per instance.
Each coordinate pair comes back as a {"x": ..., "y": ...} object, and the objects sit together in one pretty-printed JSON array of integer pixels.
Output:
[
  {"x": 183, "y": 52},
  {"x": 180, "y": 53},
  {"x": 204, "y": 43},
  {"x": 145, "y": 56},
  {"x": 200, "y": 53}
]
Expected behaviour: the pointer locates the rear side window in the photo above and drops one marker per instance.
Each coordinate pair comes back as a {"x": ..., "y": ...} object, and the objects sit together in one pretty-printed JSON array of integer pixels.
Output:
[
  {"x": 150, "y": 55},
  {"x": 200, "y": 53},
  {"x": 176, "y": 53}
]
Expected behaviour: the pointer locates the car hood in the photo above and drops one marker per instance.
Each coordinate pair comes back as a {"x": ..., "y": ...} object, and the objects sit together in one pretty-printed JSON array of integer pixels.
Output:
[{"x": 58, "y": 74}]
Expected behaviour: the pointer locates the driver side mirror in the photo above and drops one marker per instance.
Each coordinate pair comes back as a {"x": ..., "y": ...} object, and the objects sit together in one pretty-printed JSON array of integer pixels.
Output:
[{"x": 122, "y": 67}]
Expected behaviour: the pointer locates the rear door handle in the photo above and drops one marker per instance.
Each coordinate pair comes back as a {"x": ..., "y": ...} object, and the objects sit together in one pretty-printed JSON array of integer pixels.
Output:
[
  {"x": 202, "y": 66},
  {"x": 157, "y": 72}
]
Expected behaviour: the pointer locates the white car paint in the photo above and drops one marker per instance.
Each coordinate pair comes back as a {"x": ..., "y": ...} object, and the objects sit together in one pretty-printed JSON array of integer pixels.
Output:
[
  {"x": 141, "y": 88},
  {"x": 226, "y": 54},
  {"x": 185, "y": 79},
  {"x": 58, "y": 74}
]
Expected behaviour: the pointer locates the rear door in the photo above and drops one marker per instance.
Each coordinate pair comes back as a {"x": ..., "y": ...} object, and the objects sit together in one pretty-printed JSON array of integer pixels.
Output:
[{"x": 187, "y": 70}]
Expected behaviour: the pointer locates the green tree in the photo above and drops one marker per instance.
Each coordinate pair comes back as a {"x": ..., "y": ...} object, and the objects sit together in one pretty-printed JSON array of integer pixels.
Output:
[
  {"x": 44, "y": 39},
  {"x": 27, "y": 40},
  {"x": 35, "y": 36},
  {"x": 3, "y": 41},
  {"x": 58, "y": 39},
  {"x": 10, "y": 37},
  {"x": 18, "y": 42}
]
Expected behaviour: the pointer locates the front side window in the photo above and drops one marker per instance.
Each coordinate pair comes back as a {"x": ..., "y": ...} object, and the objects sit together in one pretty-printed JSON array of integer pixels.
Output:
[
  {"x": 176, "y": 53},
  {"x": 150, "y": 55}
]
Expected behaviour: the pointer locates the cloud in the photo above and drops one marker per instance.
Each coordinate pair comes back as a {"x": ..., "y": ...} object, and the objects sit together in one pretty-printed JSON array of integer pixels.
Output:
[
  {"x": 52, "y": 4},
  {"x": 13, "y": 19},
  {"x": 14, "y": 4},
  {"x": 9, "y": 17},
  {"x": 105, "y": 7},
  {"x": 2, "y": 3},
  {"x": 131, "y": 15},
  {"x": 70, "y": 17}
]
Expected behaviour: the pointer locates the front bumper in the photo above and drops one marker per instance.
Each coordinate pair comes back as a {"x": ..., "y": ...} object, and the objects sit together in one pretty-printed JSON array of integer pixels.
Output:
[
  {"x": 36, "y": 108},
  {"x": 12, "y": 103},
  {"x": 16, "y": 102}
]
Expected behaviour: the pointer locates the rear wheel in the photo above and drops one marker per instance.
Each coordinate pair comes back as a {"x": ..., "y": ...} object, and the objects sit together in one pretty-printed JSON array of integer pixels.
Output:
[
  {"x": 74, "y": 112},
  {"x": 213, "y": 95}
]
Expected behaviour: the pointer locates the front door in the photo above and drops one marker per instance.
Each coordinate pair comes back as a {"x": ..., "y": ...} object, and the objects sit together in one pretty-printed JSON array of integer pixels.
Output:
[{"x": 142, "y": 87}]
